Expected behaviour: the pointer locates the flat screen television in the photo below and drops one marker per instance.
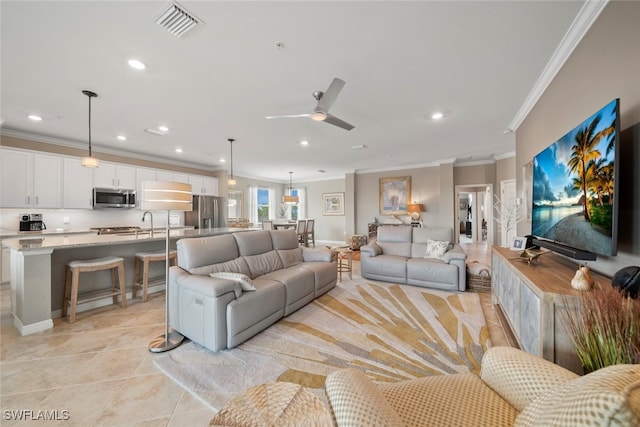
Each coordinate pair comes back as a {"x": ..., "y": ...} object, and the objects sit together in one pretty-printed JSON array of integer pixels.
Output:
[{"x": 575, "y": 182}]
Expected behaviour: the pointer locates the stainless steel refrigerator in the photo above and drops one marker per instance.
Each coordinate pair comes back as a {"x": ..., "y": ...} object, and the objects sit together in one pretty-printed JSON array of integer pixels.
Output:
[{"x": 208, "y": 212}]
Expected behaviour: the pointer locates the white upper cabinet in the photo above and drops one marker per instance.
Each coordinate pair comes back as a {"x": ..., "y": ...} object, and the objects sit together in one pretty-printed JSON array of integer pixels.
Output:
[
  {"x": 30, "y": 180},
  {"x": 47, "y": 181},
  {"x": 113, "y": 175},
  {"x": 77, "y": 184},
  {"x": 142, "y": 175},
  {"x": 205, "y": 185}
]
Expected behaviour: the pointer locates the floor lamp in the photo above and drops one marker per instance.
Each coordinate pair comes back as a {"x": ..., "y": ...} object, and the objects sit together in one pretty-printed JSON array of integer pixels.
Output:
[{"x": 169, "y": 196}]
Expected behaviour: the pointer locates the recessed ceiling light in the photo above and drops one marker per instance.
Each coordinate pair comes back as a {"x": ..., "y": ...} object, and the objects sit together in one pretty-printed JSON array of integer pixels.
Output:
[
  {"x": 178, "y": 150},
  {"x": 437, "y": 116},
  {"x": 361, "y": 146},
  {"x": 223, "y": 161},
  {"x": 304, "y": 142},
  {"x": 121, "y": 137},
  {"x": 163, "y": 129},
  {"x": 137, "y": 64},
  {"x": 35, "y": 118}
]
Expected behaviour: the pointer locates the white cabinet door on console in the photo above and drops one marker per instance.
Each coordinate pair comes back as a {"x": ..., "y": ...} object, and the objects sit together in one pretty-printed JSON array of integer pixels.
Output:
[{"x": 77, "y": 185}]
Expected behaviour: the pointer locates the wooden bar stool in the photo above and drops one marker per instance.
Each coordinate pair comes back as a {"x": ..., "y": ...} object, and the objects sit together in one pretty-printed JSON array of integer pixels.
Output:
[
  {"x": 145, "y": 258},
  {"x": 72, "y": 281}
]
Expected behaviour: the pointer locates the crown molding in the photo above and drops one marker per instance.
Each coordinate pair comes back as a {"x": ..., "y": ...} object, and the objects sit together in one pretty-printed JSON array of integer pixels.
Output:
[
  {"x": 587, "y": 15},
  {"x": 104, "y": 150},
  {"x": 503, "y": 156}
]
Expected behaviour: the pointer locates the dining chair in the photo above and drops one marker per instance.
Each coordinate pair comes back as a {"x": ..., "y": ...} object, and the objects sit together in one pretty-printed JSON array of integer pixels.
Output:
[
  {"x": 310, "y": 233},
  {"x": 267, "y": 225},
  {"x": 301, "y": 229}
]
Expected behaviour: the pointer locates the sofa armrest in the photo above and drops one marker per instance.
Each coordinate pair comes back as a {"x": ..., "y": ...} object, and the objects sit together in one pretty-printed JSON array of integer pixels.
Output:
[
  {"x": 317, "y": 255},
  {"x": 371, "y": 249},
  {"x": 204, "y": 285},
  {"x": 519, "y": 377},
  {"x": 356, "y": 400},
  {"x": 455, "y": 253}
]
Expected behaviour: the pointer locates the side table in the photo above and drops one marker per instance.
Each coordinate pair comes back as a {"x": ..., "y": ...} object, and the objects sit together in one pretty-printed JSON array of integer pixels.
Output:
[{"x": 345, "y": 262}]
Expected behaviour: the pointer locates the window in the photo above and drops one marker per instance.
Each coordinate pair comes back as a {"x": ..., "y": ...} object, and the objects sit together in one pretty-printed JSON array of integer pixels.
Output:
[
  {"x": 294, "y": 208},
  {"x": 263, "y": 204}
]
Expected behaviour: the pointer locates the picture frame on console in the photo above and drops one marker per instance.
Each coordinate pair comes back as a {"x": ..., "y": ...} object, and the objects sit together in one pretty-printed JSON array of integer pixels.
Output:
[
  {"x": 395, "y": 194},
  {"x": 332, "y": 203},
  {"x": 518, "y": 244}
]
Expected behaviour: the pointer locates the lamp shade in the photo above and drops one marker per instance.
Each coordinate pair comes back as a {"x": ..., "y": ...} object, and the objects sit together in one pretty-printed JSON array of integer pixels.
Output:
[
  {"x": 165, "y": 195},
  {"x": 415, "y": 207}
]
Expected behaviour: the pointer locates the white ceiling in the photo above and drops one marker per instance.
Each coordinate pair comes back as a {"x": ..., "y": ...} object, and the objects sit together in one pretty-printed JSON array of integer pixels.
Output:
[{"x": 477, "y": 61}]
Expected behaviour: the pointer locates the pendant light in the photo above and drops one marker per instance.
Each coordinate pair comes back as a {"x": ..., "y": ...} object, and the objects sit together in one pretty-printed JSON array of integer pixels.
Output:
[
  {"x": 90, "y": 162},
  {"x": 231, "y": 180},
  {"x": 290, "y": 199}
]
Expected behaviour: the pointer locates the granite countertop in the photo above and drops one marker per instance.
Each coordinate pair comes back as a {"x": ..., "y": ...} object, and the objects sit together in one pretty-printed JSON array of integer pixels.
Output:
[
  {"x": 8, "y": 233},
  {"x": 52, "y": 241}
]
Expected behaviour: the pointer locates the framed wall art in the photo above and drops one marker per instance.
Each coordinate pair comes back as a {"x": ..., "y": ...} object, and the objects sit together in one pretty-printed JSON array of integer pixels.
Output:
[
  {"x": 332, "y": 203},
  {"x": 395, "y": 194}
]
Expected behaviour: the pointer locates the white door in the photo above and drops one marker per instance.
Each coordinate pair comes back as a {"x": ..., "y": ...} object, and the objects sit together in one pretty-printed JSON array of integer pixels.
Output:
[{"x": 508, "y": 212}]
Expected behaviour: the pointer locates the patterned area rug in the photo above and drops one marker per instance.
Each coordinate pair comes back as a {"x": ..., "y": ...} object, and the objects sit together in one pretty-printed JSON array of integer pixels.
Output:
[{"x": 391, "y": 332}]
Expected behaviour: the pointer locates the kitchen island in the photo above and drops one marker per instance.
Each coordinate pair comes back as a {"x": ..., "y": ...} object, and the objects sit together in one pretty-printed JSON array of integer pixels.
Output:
[{"x": 38, "y": 266}]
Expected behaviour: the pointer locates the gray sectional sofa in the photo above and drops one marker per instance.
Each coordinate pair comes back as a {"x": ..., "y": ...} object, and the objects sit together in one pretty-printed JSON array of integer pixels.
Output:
[
  {"x": 216, "y": 312},
  {"x": 398, "y": 255}
]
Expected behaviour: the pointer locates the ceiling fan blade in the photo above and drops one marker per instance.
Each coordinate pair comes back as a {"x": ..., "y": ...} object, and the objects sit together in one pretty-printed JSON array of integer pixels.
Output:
[
  {"x": 333, "y": 120},
  {"x": 330, "y": 95},
  {"x": 288, "y": 116}
]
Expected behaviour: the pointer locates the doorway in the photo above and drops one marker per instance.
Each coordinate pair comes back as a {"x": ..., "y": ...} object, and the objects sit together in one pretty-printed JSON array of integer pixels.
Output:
[{"x": 474, "y": 214}]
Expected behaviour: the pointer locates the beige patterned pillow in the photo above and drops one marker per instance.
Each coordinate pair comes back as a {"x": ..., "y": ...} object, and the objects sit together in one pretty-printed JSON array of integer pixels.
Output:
[
  {"x": 436, "y": 249},
  {"x": 609, "y": 396}
]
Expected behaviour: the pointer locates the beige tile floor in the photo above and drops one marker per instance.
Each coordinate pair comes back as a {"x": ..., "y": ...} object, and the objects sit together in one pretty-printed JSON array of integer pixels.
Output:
[{"x": 100, "y": 371}]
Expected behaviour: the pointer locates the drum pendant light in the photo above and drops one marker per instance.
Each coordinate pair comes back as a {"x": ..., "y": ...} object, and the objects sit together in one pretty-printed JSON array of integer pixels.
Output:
[
  {"x": 90, "y": 162},
  {"x": 290, "y": 199}
]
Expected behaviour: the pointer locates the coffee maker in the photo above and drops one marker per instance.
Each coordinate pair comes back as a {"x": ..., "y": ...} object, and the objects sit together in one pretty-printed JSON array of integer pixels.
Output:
[{"x": 32, "y": 222}]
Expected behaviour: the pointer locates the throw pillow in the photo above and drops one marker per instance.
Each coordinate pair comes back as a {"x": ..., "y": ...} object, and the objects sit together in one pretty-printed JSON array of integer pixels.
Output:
[
  {"x": 436, "y": 249},
  {"x": 244, "y": 280}
]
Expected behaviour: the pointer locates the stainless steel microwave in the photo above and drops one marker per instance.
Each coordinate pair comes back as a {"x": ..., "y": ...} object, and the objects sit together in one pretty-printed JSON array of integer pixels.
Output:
[{"x": 113, "y": 198}]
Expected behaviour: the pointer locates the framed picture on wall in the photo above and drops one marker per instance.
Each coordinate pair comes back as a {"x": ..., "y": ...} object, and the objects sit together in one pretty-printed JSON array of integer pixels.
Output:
[
  {"x": 332, "y": 203},
  {"x": 395, "y": 194}
]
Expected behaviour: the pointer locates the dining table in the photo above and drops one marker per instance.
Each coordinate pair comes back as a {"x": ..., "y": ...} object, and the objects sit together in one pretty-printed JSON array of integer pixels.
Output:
[{"x": 284, "y": 225}]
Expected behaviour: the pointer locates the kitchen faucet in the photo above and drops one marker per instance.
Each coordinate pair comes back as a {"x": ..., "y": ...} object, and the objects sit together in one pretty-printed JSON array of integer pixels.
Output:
[{"x": 151, "y": 215}]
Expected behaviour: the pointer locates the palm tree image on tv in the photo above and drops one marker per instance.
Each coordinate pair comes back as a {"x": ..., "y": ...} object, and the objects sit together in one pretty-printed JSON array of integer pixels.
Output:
[{"x": 574, "y": 185}]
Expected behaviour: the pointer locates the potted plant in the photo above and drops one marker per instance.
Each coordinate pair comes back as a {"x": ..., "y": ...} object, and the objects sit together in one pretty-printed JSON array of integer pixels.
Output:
[{"x": 604, "y": 328}]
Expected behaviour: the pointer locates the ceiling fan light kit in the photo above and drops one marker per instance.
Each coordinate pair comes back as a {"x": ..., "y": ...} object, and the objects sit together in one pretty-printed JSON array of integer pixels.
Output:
[
  {"x": 321, "y": 112},
  {"x": 90, "y": 161}
]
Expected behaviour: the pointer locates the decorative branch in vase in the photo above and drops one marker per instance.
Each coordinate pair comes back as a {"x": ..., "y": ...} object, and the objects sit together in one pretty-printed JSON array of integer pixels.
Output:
[{"x": 508, "y": 214}]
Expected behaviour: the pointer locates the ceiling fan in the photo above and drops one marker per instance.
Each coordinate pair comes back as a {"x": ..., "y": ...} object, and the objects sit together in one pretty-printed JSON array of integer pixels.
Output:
[{"x": 325, "y": 101}]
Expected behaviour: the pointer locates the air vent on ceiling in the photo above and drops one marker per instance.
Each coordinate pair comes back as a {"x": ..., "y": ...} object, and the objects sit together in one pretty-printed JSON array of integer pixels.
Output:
[{"x": 177, "y": 20}]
